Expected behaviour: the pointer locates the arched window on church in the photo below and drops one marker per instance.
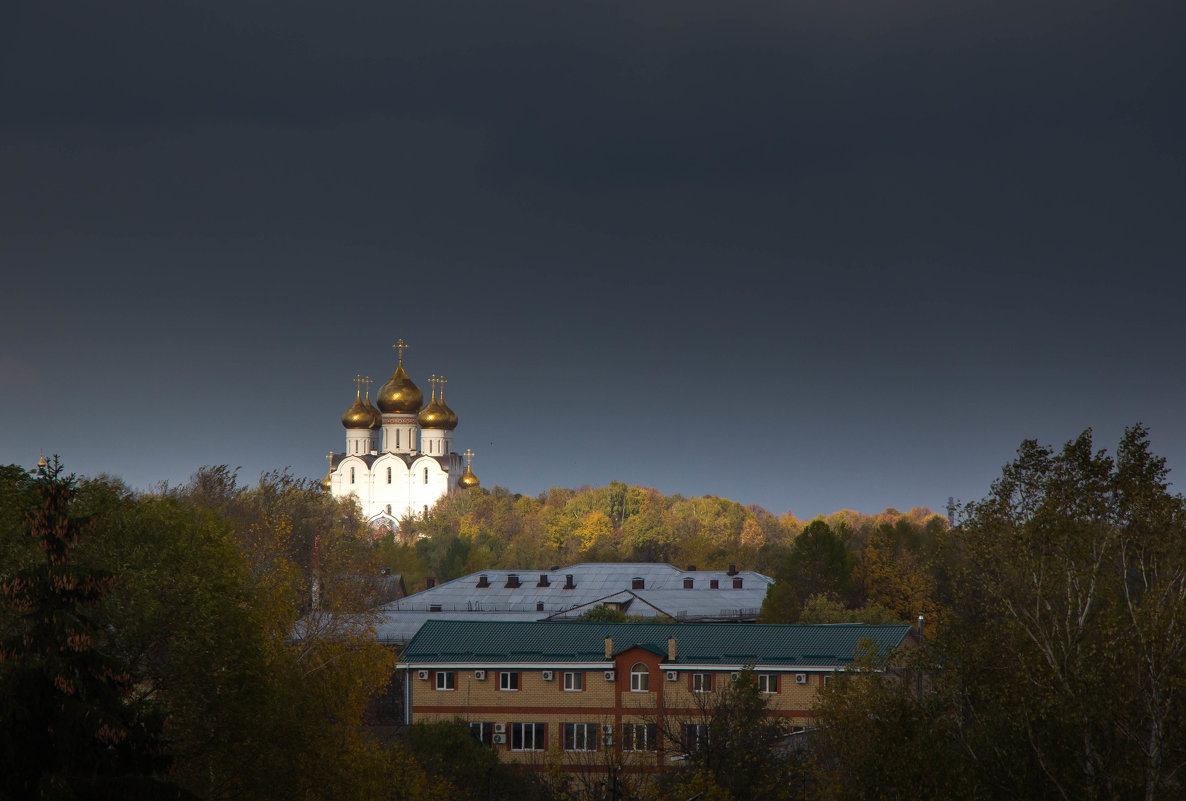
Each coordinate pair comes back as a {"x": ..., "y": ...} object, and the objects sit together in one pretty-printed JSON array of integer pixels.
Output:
[
  {"x": 351, "y": 475},
  {"x": 388, "y": 508},
  {"x": 397, "y": 437},
  {"x": 426, "y": 475},
  {"x": 389, "y": 479}
]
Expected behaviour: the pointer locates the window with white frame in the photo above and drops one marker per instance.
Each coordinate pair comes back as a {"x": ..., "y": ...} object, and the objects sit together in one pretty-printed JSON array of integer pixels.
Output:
[
  {"x": 701, "y": 682},
  {"x": 640, "y": 678},
  {"x": 574, "y": 680},
  {"x": 508, "y": 680},
  {"x": 640, "y": 736},
  {"x": 768, "y": 683},
  {"x": 527, "y": 737},
  {"x": 580, "y": 737},
  {"x": 446, "y": 680}
]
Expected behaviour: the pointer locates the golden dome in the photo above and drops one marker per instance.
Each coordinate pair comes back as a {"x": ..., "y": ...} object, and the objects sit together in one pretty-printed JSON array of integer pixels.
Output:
[
  {"x": 399, "y": 395},
  {"x": 357, "y": 416},
  {"x": 433, "y": 416},
  {"x": 436, "y": 414},
  {"x": 325, "y": 483},
  {"x": 468, "y": 480}
]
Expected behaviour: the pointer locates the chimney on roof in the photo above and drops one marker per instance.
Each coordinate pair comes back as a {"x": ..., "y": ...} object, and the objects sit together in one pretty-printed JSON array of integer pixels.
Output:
[
  {"x": 512, "y": 581},
  {"x": 569, "y": 584},
  {"x": 543, "y": 580},
  {"x": 430, "y": 582},
  {"x": 483, "y": 581},
  {"x": 671, "y": 649},
  {"x": 732, "y": 570},
  {"x": 609, "y": 647},
  {"x": 554, "y": 568},
  {"x": 691, "y": 568}
]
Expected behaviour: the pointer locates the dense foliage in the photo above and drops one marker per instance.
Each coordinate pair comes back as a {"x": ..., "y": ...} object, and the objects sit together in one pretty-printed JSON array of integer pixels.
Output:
[
  {"x": 213, "y": 641},
  {"x": 480, "y": 529}
]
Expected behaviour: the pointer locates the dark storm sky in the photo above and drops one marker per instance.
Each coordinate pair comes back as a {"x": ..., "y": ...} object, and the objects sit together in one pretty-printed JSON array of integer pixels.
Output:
[{"x": 806, "y": 255}]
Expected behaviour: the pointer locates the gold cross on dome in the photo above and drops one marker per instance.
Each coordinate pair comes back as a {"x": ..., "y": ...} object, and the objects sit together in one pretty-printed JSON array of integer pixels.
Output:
[
  {"x": 330, "y": 456},
  {"x": 469, "y": 457},
  {"x": 433, "y": 381},
  {"x": 442, "y": 381},
  {"x": 400, "y": 346}
]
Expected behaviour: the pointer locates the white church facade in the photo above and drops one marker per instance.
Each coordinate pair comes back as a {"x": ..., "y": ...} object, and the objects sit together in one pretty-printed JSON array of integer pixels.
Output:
[{"x": 399, "y": 457}]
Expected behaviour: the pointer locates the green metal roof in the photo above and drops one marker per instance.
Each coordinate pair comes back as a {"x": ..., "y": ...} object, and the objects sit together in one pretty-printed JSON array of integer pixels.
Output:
[{"x": 454, "y": 641}]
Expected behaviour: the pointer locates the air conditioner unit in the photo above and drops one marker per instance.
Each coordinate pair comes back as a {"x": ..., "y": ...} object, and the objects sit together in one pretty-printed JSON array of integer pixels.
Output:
[
  {"x": 422, "y": 675},
  {"x": 607, "y": 728},
  {"x": 480, "y": 675},
  {"x": 672, "y": 675},
  {"x": 800, "y": 678},
  {"x": 500, "y": 739},
  {"x": 500, "y": 728},
  {"x": 609, "y": 675},
  {"x": 547, "y": 675},
  {"x": 734, "y": 676}
]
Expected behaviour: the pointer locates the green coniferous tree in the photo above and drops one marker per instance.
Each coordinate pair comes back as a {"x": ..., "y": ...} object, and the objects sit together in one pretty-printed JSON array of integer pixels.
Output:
[{"x": 69, "y": 724}]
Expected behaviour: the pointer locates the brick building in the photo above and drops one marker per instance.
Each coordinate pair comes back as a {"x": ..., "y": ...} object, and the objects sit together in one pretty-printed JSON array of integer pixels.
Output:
[{"x": 627, "y": 694}]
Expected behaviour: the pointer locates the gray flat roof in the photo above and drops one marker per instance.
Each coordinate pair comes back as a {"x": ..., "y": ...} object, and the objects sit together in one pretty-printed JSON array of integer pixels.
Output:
[{"x": 663, "y": 589}]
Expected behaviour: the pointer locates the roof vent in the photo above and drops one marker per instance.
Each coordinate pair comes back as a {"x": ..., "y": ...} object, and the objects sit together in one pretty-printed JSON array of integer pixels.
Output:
[
  {"x": 483, "y": 581},
  {"x": 688, "y": 584},
  {"x": 543, "y": 580},
  {"x": 512, "y": 581},
  {"x": 554, "y": 568},
  {"x": 539, "y": 606},
  {"x": 569, "y": 584},
  {"x": 714, "y": 584},
  {"x": 737, "y": 583},
  {"x": 637, "y": 584},
  {"x": 732, "y": 570}
]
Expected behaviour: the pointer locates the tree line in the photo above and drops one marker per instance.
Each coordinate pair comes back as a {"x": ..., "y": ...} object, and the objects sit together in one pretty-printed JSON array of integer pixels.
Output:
[{"x": 214, "y": 641}]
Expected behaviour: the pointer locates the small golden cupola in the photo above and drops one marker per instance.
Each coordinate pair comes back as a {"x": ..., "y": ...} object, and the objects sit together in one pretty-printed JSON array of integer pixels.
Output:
[
  {"x": 433, "y": 414},
  {"x": 468, "y": 480},
  {"x": 399, "y": 395},
  {"x": 450, "y": 415},
  {"x": 327, "y": 482},
  {"x": 357, "y": 416}
]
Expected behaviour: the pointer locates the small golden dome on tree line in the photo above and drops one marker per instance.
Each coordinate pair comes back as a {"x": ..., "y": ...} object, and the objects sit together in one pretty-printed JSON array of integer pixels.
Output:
[{"x": 468, "y": 480}]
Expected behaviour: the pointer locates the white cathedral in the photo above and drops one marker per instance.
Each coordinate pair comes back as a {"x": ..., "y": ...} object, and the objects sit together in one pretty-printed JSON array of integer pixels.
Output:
[{"x": 399, "y": 457}]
